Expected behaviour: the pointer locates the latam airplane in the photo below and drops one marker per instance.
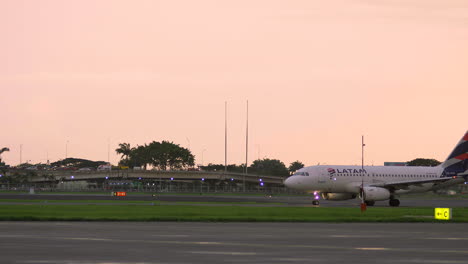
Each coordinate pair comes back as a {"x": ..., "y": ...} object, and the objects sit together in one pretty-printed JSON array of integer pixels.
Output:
[{"x": 380, "y": 183}]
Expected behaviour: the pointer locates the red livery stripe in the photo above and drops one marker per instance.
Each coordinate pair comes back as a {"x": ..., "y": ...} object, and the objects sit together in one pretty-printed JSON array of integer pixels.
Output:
[
  {"x": 462, "y": 157},
  {"x": 466, "y": 136}
]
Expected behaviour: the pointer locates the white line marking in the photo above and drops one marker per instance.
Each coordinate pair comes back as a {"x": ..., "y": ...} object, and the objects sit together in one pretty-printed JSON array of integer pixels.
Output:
[
  {"x": 354, "y": 236},
  {"x": 448, "y": 238},
  {"x": 224, "y": 253},
  {"x": 368, "y": 248},
  {"x": 170, "y": 235},
  {"x": 303, "y": 260},
  {"x": 435, "y": 261},
  {"x": 81, "y": 262},
  {"x": 88, "y": 238},
  {"x": 208, "y": 243}
]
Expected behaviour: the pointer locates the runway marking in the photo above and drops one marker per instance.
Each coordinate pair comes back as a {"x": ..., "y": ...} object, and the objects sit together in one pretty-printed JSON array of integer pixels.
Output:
[
  {"x": 207, "y": 243},
  {"x": 435, "y": 261},
  {"x": 448, "y": 238},
  {"x": 367, "y": 248},
  {"x": 354, "y": 236},
  {"x": 170, "y": 235},
  {"x": 250, "y": 245},
  {"x": 89, "y": 238},
  {"x": 13, "y": 236},
  {"x": 231, "y": 244},
  {"x": 303, "y": 260},
  {"x": 224, "y": 253},
  {"x": 454, "y": 251},
  {"x": 82, "y": 262}
]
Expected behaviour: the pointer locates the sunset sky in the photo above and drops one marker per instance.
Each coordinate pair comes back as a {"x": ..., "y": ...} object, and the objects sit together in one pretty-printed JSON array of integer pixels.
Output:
[{"x": 317, "y": 74}]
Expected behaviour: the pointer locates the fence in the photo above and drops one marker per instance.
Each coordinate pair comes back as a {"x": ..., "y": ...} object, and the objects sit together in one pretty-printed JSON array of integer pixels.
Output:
[{"x": 154, "y": 187}]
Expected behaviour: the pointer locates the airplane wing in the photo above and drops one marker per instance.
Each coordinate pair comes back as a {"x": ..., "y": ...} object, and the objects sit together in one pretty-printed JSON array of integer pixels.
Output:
[{"x": 404, "y": 185}]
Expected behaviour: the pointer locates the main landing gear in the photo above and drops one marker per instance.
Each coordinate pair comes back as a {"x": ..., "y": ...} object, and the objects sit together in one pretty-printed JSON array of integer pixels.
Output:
[
  {"x": 394, "y": 202},
  {"x": 315, "y": 202},
  {"x": 370, "y": 203}
]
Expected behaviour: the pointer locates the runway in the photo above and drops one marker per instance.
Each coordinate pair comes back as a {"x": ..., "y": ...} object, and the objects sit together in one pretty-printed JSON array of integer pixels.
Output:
[
  {"x": 172, "y": 242},
  {"x": 195, "y": 242},
  {"x": 254, "y": 200}
]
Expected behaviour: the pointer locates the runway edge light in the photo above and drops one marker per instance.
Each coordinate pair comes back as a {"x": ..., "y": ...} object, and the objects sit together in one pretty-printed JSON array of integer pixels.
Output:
[{"x": 443, "y": 213}]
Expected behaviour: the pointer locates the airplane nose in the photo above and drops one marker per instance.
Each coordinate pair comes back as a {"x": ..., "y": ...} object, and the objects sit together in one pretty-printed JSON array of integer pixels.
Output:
[{"x": 288, "y": 182}]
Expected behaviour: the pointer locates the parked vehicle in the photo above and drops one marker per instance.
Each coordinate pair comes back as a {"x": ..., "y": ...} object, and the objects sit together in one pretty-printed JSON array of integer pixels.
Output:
[{"x": 104, "y": 168}]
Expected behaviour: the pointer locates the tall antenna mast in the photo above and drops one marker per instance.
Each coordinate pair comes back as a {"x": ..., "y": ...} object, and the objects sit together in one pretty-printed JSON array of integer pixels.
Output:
[
  {"x": 247, "y": 139},
  {"x": 225, "y": 136},
  {"x": 108, "y": 150},
  {"x": 66, "y": 150},
  {"x": 362, "y": 194},
  {"x": 362, "y": 154},
  {"x": 246, "y": 146}
]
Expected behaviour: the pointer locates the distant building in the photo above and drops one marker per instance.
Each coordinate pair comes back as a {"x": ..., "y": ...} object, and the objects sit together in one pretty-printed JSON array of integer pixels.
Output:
[{"x": 390, "y": 163}]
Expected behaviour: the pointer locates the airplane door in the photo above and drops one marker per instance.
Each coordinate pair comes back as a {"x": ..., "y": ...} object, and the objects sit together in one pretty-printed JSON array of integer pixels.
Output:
[{"x": 324, "y": 180}]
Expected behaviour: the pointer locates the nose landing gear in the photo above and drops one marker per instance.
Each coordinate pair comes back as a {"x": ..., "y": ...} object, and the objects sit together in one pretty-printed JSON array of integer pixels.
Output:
[
  {"x": 394, "y": 202},
  {"x": 316, "y": 199}
]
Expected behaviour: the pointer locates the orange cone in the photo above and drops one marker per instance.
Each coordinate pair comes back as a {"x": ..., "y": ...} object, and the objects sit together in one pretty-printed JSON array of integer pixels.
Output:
[{"x": 363, "y": 207}]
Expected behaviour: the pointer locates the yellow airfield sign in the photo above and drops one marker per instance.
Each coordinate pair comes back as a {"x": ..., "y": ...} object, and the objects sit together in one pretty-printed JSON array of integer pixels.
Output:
[{"x": 443, "y": 213}]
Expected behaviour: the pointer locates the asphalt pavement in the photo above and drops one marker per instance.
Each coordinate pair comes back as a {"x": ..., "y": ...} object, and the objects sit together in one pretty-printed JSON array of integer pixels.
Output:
[{"x": 174, "y": 242}]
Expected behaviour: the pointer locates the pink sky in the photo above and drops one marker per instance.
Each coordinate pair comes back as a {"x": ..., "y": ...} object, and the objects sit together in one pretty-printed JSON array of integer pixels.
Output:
[{"x": 317, "y": 74}]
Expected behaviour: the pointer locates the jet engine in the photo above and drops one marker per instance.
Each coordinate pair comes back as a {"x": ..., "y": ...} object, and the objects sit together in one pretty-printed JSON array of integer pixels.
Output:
[
  {"x": 376, "y": 194},
  {"x": 338, "y": 196}
]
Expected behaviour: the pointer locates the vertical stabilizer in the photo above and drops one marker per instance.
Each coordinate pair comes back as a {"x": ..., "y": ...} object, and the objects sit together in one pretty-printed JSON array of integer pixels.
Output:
[{"x": 457, "y": 161}]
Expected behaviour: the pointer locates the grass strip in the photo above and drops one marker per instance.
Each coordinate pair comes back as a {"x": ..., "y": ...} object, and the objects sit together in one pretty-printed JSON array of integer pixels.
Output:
[
  {"x": 125, "y": 202},
  {"x": 51, "y": 212},
  {"x": 136, "y": 193},
  {"x": 72, "y": 201}
]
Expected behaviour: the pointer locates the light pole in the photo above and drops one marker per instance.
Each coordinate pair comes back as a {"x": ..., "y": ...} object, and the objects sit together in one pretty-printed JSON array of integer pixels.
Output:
[
  {"x": 362, "y": 154},
  {"x": 247, "y": 139},
  {"x": 202, "y": 157},
  {"x": 188, "y": 141},
  {"x": 108, "y": 150},
  {"x": 225, "y": 137},
  {"x": 246, "y": 146},
  {"x": 66, "y": 150}
]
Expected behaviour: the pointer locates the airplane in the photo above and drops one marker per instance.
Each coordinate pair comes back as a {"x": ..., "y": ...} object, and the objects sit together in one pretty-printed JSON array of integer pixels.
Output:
[{"x": 380, "y": 183}]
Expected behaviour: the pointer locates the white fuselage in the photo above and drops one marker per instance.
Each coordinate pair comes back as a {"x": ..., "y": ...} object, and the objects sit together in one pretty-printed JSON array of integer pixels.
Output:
[{"x": 349, "y": 179}]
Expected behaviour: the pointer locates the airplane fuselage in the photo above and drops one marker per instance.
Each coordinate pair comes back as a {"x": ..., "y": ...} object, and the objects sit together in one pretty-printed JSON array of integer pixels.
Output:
[
  {"x": 378, "y": 183},
  {"x": 348, "y": 179}
]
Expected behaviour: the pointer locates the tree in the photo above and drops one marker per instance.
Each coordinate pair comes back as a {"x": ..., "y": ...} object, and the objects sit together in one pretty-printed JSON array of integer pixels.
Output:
[
  {"x": 78, "y": 163},
  {"x": 423, "y": 162},
  {"x": 161, "y": 155},
  {"x": 1, "y": 151},
  {"x": 138, "y": 157},
  {"x": 166, "y": 155},
  {"x": 271, "y": 167},
  {"x": 124, "y": 149},
  {"x": 294, "y": 166},
  {"x": 220, "y": 167}
]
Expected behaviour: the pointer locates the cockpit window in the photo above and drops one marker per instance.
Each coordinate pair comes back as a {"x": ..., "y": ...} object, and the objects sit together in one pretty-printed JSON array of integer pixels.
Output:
[{"x": 301, "y": 173}]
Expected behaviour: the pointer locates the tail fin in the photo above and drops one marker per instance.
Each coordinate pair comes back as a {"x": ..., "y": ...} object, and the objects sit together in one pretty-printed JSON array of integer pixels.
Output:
[{"x": 457, "y": 161}]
